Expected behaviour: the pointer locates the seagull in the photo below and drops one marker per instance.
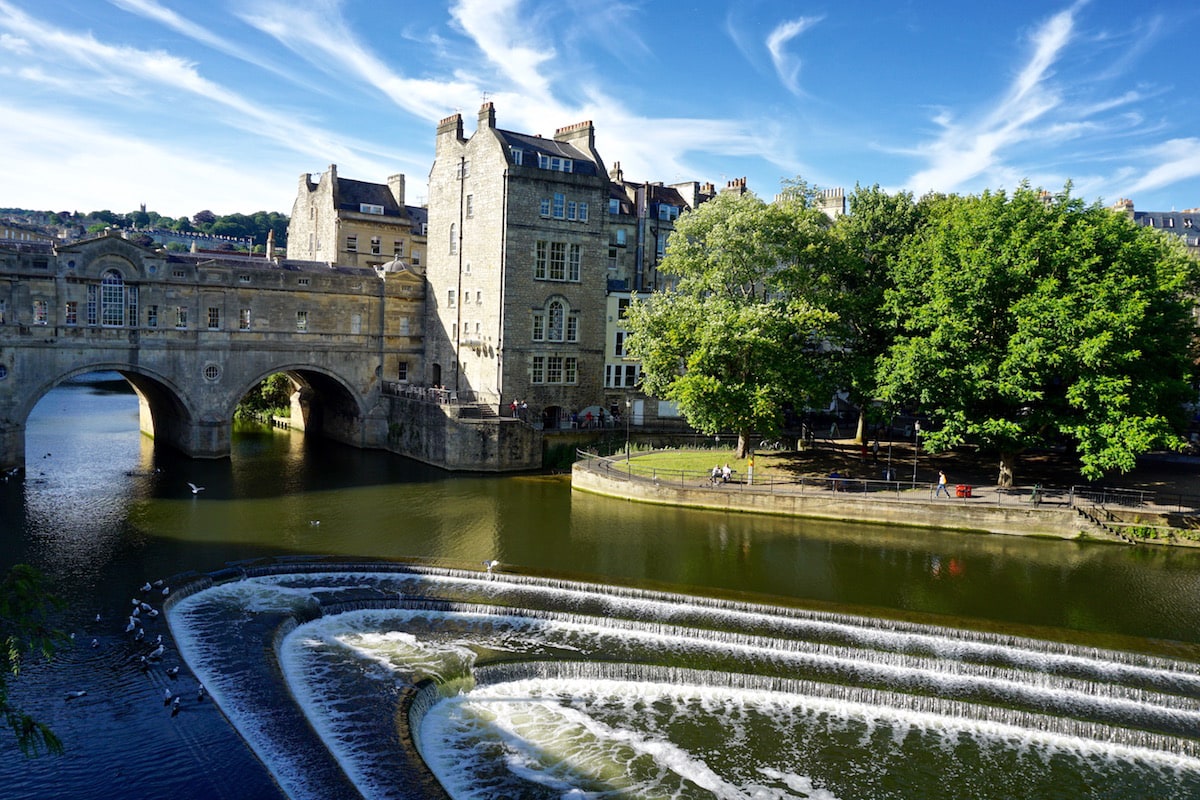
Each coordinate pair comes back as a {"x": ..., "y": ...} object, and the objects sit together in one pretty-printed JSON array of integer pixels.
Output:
[
  {"x": 195, "y": 489},
  {"x": 152, "y": 613},
  {"x": 95, "y": 643},
  {"x": 133, "y": 614},
  {"x": 76, "y": 695},
  {"x": 158, "y": 639},
  {"x": 132, "y": 624},
  {"x": 97, "y": 618},
  {"x": 172, "y": 672},
  {"x": 168, "y": 696},
  {"x": 145, "y": 587},
  {"x": 158, "y": 583},
  {"x": 200, "y": 692},
  {"x": 157, "y": 652},
  {"x": 175, "y": 704},
  {"x": 490, "y": 565},
  {"x": 166, "y": 591},
  {"x": 141, "y": 634},
  {"x": 314, "y": 522}
]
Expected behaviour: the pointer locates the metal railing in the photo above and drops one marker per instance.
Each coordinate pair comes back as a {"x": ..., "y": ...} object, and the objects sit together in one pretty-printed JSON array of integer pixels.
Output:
[{"x": 619, "y": 467}]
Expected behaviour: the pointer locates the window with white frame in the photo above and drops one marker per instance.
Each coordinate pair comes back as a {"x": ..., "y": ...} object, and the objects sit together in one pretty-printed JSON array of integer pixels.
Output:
[
  {"x": 554, "y": 163},
  {"x": 398, "y": 248},
  {"x": 452, "y": 298},
  {"x": 453, "y": 238},
  {"x": 544, "y": 207},
  {"x": 574, "y": 254},
  {"x": 151, "y": 316},
  {"x": 72, "y": 312},
  {"x": 181, "y": 317},
  {"x": 470, "y": 210},
  {"x": 517, "y": 155},
  {"x": 351, "y": 244},
  {"x": 559, "y": 208},
  {"x": 370, "y": 208},
  {"x": 583, "y": 212},
  {"x": 302, "y": 320},
  {"x": 614, "y": 205},
  {"x": 41, "y": 312},
  {"x": 620, "y": 237},
  {"x": 402, "y": 372},
  {"x": 376, "y": 245},
  {"x": 243, "y": 319},
  {"x": 619, "y": 347},
  {"x": 214, "y": 318}
]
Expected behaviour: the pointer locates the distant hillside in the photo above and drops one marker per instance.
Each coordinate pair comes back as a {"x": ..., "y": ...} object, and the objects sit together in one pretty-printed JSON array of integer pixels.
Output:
[{"x": 230, "y": 232}]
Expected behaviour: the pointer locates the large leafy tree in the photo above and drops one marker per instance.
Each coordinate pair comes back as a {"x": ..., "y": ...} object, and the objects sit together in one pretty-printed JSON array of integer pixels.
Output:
[
  {"x": 853, "y": 283},
  {"x": 25, "y": 631},
  {"x": 732, "y": 342},
  {"x": 1032, "y": 320}
]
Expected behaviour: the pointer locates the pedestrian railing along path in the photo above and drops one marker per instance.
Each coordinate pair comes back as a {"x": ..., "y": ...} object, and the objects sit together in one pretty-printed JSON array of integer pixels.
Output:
[
  {"x": 772, "y": 483},
  {"x": 1102, "y": 507}
]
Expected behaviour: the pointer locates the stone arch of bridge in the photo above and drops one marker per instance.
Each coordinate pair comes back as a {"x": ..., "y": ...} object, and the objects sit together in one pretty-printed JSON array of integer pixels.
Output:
[
  {"x": 164, "y": 409},
  {"x": 323, "y": 403}
]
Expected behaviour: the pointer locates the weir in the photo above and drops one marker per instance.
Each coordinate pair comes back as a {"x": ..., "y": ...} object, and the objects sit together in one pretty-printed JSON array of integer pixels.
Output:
[{"x": 353, "y": 642}]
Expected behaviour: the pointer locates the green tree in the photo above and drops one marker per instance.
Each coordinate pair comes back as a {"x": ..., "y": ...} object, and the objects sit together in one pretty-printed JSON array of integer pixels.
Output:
[
  {"x": 25, "y": 630},
  {"x": 853, "y": 282},
  {"x": 733, "y": 343},
  {"x": 1032, "y": 320}
]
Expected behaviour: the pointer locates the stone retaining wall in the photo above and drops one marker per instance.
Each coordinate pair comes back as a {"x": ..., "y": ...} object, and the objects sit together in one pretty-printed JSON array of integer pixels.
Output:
[{"x": 1061, "y": 522}]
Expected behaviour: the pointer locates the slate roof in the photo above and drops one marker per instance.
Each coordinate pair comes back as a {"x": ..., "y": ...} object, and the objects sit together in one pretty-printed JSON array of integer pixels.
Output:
[
  {"x": 352, "y": 194},
  {"x": 582, "y": 162}
]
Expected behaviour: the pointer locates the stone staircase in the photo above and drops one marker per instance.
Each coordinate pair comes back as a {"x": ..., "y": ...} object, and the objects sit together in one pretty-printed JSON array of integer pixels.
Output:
[{"x": 477, "y": 411}]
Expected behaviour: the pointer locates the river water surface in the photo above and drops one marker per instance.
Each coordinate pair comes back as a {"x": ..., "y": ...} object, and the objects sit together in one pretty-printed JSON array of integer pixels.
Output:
[{"x": 101, "y": 512}]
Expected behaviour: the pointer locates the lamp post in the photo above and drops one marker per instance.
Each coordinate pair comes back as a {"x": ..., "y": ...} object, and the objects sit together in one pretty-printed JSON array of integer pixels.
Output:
[
  {"x": 916, "y": 449},
  {"x": 628, "y": 412}
]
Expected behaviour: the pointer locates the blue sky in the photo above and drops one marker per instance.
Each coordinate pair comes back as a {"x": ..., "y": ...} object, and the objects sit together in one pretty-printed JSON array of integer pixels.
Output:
[{"x": 222, "y": 104}]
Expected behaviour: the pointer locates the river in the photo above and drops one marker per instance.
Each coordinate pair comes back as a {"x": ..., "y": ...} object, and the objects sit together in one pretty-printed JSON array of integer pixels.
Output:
[{"x": 101, "y": 512}]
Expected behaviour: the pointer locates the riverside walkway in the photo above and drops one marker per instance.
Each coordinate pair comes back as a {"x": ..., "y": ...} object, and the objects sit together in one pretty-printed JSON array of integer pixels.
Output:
[{"x": 1063, "y": 512}]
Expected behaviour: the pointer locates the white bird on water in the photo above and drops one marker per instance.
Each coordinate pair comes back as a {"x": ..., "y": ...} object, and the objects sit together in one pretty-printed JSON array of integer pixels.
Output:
[
  {"x": 168, "y": 696},
  {"x": 157, "y": 652},
  {"x": 166, "y": 591},
  {"x": 490, "y": 565},
  {"x": 76, "y": 695},
  {"x": 195, "y": 489},
  {"x": 146, "y": 587}
]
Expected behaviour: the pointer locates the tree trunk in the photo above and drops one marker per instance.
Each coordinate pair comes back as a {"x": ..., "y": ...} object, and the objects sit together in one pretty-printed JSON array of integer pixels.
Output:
[
  {"x": 741, "y": 445},
  {"x": 1008, "y": 465}
]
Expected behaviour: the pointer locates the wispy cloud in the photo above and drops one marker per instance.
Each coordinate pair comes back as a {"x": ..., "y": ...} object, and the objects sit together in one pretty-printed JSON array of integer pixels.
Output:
[
  {"x": 787, "y": 66},
  {"x": 156, "y": 12},
  {"x": 319, "y": 34},
  {"x": 1177, "y": 160},
  {"x": 966, "y": 152},
  {"x": 504, "y": 36}
]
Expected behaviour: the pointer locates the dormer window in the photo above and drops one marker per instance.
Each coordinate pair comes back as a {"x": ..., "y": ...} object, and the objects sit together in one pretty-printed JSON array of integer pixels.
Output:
[
  {"x": 554, "y": 163},
  {"x": 516, "y": 155},
  {"x": 370, "y": 208}
]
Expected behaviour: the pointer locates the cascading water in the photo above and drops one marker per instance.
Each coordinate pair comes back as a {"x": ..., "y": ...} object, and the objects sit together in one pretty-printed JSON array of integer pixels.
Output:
[{"x": 559, "y": 689}]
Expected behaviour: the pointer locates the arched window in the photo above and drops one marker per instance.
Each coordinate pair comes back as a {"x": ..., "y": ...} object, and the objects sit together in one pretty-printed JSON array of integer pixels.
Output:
[
  {"x": 112, "y": 298},
  {"x": 556, "y": 315}
]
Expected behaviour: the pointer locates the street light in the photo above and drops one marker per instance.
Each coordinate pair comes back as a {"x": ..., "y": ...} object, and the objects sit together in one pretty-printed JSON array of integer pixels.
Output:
[
  {"x": 916, "y": 448},
  {"x": 628, "y": 411}
]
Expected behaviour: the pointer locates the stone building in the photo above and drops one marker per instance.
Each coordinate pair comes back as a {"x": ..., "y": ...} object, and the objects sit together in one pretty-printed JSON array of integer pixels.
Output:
[
  {"x": 517, "y": 267},
  {"x": 1184, "y": 224},
  {"x": 355, "y": 223}
]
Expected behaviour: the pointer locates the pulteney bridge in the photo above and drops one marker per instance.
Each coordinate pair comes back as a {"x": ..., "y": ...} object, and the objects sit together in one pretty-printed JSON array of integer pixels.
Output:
[{"x": 194, "y": 332}]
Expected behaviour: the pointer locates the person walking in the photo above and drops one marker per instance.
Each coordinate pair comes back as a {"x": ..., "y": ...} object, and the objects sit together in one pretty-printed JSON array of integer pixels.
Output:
[{"x": 941, "y": 485}]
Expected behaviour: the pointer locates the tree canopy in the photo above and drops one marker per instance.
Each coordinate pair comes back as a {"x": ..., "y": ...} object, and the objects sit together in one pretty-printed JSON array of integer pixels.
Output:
[
  {"x": 1032, "y": 320},
  {"x": 25, "y": 631},
  {"x": 731, "y": 343}
]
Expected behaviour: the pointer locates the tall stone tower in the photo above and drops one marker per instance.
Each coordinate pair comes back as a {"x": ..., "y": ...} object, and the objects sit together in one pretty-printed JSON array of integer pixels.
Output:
[{"x": 517, "y": 254}]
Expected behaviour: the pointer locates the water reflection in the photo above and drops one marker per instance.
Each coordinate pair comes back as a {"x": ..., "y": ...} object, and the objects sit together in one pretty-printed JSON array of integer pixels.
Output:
[{"x": 106, "y": 511}]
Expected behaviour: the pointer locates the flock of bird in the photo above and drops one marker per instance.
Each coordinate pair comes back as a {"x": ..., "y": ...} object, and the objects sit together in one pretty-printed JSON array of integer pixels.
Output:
[{"x": 150, "y": 652}]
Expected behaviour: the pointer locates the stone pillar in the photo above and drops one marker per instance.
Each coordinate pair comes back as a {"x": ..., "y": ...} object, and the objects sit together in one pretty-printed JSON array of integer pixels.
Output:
[{"x": 12, "y": 445}]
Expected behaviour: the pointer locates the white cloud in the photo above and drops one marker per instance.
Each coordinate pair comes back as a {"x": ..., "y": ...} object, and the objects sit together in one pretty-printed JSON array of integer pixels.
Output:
[
  {"x": 787, "y": 66},
  {"x": 505, "y": 34},
  {"x": 1177, "y": 160},
  {"x": 965, "y": 152}
]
